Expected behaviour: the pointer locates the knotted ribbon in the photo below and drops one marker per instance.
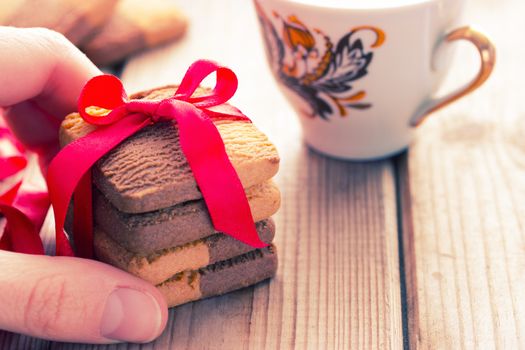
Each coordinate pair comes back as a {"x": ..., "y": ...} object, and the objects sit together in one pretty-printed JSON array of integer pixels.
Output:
[{"x": 200, "y": 141}]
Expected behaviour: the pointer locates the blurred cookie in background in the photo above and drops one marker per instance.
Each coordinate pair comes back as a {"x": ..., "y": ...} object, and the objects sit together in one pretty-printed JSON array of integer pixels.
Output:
[
  {"x": 108, "y": 31},
  {"x": 77, "y": 20},
  {"x": 135, "y": 25}
]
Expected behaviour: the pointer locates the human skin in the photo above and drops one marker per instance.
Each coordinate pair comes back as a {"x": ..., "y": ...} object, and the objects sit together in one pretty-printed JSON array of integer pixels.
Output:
[{"x": 62, "y": 298}]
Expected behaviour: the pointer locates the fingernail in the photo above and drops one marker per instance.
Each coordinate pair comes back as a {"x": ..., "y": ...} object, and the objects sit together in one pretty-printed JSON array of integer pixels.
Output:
[{"x": 131, "y": 316}]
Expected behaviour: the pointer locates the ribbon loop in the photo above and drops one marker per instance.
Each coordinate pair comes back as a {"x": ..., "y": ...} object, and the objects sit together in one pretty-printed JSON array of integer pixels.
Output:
[
  {"x": 225, "y": 87},
  {"x": 103, "y": 91}
]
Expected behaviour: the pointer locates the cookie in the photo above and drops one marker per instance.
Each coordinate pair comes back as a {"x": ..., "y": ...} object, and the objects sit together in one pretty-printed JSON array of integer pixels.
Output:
[
  {"x": 148, "y": 232},
  {"x": 77, "y": 20},
  {"x": 160, "y": 265},
  {"x": 221, "y": 277},
  {"x": 149, "y": 171},
  {"x": 134, "y": 26}
]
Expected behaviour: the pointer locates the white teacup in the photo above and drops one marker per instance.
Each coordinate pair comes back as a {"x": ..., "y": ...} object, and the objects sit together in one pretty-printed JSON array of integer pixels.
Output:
[{"x": 361, "y": 74}]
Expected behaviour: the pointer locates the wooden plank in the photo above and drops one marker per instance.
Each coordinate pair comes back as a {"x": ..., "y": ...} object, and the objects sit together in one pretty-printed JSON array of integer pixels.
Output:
[
  {"x": 464, "y": 214},
  {"x": 337, "y": 285},
  {"x": 338, "y": 282}
]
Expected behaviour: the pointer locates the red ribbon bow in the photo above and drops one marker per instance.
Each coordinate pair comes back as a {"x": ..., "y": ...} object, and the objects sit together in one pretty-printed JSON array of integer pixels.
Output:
[{"x": 69, "y": 172}]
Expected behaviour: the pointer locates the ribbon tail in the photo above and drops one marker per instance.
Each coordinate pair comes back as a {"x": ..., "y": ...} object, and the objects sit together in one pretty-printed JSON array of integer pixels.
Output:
[
  {"x": 26, "y": 240},
  {"x": 25, "y": 213},
  {"x": 34, "y": 205},
  {"x": 5, "y": 241},
  {"x": 217, "y": 179},
  {"x": 11, "y": 165},
  {"x": 226, "y": 111},
  {"x": 9, "y": 196},
  {"x": 12, "y": 158},
  {"x": 70, "y": 165},
  {"x": 83, "y": 217}
]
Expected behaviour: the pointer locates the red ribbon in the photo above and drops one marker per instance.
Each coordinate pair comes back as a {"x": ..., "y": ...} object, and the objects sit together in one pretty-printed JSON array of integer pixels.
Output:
[
  {"x": 12, "y": 158},
  {"x": 69, "y": 172},
  {"x": 23, "y": 210}
]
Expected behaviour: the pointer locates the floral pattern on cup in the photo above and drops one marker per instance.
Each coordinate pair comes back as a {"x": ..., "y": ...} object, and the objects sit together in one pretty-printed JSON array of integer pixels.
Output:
[{"x": 308, "y": 62}]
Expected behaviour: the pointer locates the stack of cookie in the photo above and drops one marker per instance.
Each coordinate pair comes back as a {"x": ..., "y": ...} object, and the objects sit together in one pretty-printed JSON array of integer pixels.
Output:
[{"x": 150, "y": 218}]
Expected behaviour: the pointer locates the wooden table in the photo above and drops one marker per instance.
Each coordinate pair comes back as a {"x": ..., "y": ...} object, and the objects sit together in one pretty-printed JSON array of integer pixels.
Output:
[{"x": 424, "y": 250}]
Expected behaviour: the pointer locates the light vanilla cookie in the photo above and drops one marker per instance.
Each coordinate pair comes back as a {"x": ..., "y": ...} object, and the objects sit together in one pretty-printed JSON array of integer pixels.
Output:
[
  {"x": 148, "y": 232},
  {"x": 77, "y": 20},
  {"x": 221, "y": 277},
  {"x": 135, "y": 25},
  {"x": 162, "y": 264},
  {"x": 149, "y": 171}
]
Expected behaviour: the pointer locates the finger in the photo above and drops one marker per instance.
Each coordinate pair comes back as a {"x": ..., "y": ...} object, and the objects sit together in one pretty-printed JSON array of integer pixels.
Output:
[
  {"x": 43, "y": 65},
  {"x": 37, "y": 131},
  {"x": 77, "y": 300},
  {"x": 45, "y": 74},
  {"x": 31, "y": 125}
]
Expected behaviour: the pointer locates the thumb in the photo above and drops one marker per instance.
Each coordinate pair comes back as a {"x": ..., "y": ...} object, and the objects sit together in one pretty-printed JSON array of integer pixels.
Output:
[{"x": 77, "y": 300}]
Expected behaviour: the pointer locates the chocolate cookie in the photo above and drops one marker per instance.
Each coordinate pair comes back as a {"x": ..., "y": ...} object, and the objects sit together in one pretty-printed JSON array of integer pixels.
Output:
[
  {"x": 162, "y": 264},
  {"x": 221, "y": 277},
  {"x": 149, "y": 171},
  {"x": 186, "y": 222}
]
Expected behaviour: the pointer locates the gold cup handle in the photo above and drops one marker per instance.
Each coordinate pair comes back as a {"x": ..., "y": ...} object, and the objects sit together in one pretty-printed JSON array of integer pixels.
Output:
[{"x": 487, "y": 54}]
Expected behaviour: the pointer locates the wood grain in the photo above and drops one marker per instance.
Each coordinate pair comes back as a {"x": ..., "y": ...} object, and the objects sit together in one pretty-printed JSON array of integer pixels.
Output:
[
  {"x": 337, "y": 286},
  {"x": 338, "y": 283},
  {"x": 461, "y": 190},
  {"x": 464, "y": 214}
]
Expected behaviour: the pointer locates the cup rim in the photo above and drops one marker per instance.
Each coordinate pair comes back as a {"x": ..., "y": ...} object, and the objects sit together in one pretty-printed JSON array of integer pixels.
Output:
[{"x": 320, "y": 6}]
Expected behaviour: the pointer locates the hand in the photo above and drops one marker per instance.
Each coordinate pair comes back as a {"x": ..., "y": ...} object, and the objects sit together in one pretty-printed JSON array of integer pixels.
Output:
[
  {"x": 42, "y": 74},
  {"x": 62, "y": 298}
]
